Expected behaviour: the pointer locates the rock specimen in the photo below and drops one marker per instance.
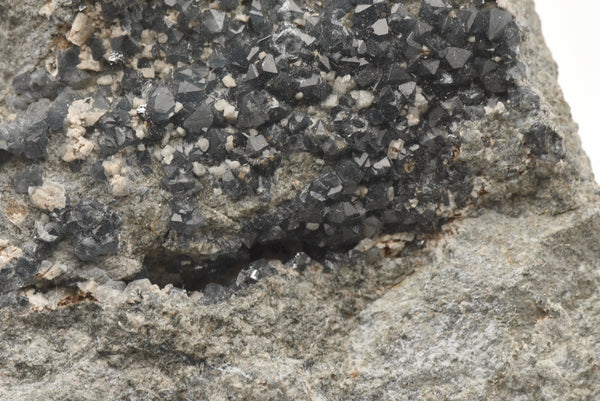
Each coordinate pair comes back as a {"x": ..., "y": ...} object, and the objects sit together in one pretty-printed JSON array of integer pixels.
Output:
[
  {"x": 212, "y": 134},
  {"x": 293, "y": 200}
]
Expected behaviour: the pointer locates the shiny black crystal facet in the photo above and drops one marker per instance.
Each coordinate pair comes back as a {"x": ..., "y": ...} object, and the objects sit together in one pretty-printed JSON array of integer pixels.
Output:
[
  {"x": 253, "y": 109},
  {"x": 27, "y": 136},
  {"x": 161, "y": 104},
  {"x": 94, "y": 229},
  {"x": 200, "y": 120}
]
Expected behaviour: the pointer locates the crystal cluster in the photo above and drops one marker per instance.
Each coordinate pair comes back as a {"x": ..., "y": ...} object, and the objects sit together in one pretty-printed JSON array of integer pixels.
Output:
[
  {"x": 371, "y": 89},
  {"x": 223, "y": 93}
]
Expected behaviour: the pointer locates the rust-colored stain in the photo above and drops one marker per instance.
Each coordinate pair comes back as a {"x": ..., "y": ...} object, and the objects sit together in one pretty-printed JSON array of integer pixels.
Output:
[
  {"x": 456, "y": 153},
  {"x": 76, "y": 298},
  {"x": 60, "y": 42}
]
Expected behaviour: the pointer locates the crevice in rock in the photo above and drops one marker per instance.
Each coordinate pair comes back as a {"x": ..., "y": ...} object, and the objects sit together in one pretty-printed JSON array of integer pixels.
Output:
[{"x": 164, "y": 267}]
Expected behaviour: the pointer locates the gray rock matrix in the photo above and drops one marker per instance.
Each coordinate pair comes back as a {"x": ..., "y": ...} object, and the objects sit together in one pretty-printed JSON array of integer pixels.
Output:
[{"x": 291, "y": 201}]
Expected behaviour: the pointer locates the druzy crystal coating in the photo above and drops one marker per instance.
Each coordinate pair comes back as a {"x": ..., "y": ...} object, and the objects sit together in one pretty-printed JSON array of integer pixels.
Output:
[{"x": 371, "y": 92}]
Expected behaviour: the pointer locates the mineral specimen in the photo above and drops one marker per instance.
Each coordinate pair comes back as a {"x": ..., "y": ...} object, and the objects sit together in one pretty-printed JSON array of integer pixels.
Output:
[
  {"x": 291, "y": 200},
  {"x": 246, "y": 127}
]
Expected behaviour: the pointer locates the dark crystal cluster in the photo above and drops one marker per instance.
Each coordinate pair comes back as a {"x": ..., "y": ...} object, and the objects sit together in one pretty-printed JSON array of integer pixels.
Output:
[
  {"x": 28, "y": 135},
  {"x": 371, "y": 90},
  {"x": 92, "y": 225},
  {"x": 94, "y": 230},
  {"x": 383, "y": 127}
]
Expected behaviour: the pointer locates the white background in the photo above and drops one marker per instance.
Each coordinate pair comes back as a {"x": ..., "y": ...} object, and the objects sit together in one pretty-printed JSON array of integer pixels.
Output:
[{"x": 571, "y": 29}]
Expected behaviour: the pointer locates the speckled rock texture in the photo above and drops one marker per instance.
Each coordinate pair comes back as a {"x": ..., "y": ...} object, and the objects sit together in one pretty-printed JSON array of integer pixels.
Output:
[{"x": 291, "y": 201}]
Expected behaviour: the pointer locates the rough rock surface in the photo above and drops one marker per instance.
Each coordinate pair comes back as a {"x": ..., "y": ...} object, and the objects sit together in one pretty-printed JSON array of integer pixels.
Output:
[{"x": 292, "y": 201}]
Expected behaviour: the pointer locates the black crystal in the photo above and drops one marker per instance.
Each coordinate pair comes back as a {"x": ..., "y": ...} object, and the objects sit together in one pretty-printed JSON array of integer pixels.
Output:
[
  {"x": 94, "y": 229},
  {"x": 161, "y": 104}
]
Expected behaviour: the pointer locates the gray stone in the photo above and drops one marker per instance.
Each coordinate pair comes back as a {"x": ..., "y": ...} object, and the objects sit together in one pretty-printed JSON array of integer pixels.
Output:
[
  {"x": 30, "y": 177},
  {"x": 329, "y": 274}
]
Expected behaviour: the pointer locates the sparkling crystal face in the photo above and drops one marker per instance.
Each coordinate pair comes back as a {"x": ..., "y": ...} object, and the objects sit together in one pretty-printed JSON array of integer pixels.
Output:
[{"x": 371, "y": 93}]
